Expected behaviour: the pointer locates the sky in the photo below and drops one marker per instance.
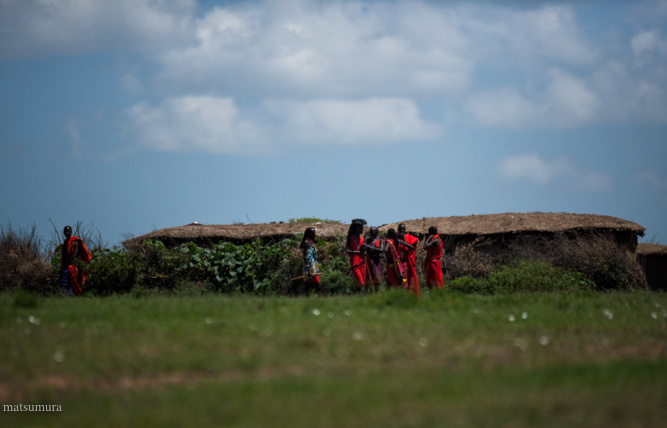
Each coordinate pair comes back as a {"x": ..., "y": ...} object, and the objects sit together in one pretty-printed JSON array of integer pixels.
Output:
[{"x": 135, "y": 115}]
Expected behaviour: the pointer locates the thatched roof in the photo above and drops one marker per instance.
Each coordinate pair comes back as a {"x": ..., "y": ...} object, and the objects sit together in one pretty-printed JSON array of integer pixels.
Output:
[
  {"x": 492, "y": 224},
  {"x": 651, "y": 249},
  {"x": 489, "y": 224},
  {"x": 238, "y": 232}
]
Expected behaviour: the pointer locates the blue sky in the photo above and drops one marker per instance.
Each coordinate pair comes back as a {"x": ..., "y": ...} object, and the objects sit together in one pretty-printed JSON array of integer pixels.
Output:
[{"x": 134, "y": 115}]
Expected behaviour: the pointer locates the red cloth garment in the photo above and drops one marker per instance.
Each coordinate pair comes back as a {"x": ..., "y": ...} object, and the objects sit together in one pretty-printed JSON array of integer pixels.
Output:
[
  {"x": 433, "y": 265},
  {"x": 395, "y": 272},
  {"x": 77, "y": 278},
  {"x": 374, "y": 264},
  {"x": 357, "y": 261},
  {"x": 409, "y": 263}
]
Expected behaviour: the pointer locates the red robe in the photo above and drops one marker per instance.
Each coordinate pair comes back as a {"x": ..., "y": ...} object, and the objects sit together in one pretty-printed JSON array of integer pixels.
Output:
[
  {"x": 433, "y": 265},
  {"x": 408, "y": 260},
  {"x": 395, "y": 272},
  {"x": 76, "y": 276},
  {"x": 374, "y": 265},
  {"x": 357, "y": 261}
]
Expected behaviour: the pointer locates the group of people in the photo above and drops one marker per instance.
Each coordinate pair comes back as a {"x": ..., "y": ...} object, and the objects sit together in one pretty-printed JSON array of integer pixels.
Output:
[{"x": 366, "y": 257}]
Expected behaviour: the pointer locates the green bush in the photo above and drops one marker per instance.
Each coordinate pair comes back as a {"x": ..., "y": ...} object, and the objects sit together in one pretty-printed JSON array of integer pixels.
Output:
[
  {"x": 336, "y": 282},
  {"x": 111, "y": 271},
  {"x": 523, "y": 276}
]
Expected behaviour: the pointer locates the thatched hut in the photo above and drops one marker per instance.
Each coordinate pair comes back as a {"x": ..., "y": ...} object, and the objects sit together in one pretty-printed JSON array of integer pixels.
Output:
[
  {"x": 473, "y": 244},
  {"x": 504, "y": 228},
  {"x": 653, "y": 258},
  {"x": 207, "y": 234},
  {"x": 582, "y": 242}
]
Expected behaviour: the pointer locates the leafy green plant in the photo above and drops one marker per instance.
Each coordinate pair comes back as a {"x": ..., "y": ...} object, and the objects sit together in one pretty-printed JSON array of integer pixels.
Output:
[
  {"x": 523, "y": 276},
  {"x": 112, "y": 271}
]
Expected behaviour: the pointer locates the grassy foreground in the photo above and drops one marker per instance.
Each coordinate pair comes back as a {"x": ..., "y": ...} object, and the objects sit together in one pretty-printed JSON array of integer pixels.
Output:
[{"x": 447, "y": 359}]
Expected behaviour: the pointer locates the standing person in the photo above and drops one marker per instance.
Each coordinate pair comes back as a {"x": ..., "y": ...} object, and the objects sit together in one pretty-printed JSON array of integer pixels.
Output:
[
  {"x": 73, "y": 277},
  {"x": 406, "y": 249},
  {"x": 433, "y": 262},
  {"x": 395, "y": 272},
  {"x": 355, "y": 248},
  {"x": 374, "y": 250},
  {"x": 311, "y": 268}
]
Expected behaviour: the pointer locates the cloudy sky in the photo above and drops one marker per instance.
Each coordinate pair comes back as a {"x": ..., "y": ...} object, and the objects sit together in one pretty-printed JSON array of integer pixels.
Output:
[{"x": 132, "y": 115}]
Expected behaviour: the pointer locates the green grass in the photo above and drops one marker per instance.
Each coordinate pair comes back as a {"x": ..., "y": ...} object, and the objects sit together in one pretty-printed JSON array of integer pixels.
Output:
[{"x": 446, "y": 359}]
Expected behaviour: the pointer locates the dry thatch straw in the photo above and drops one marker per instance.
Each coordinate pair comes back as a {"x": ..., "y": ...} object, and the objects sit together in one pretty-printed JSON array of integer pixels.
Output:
[
  {"x": 237, "y": 233},
  {"x": 652, "y": 249},
  {"x": 494, "y": 224},
  {"x": 478, "y": 225}
]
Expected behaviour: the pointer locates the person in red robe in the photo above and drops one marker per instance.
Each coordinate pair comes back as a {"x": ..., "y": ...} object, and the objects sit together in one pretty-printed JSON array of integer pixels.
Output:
[
  {"x": 73, "y": 277},
  {"x": 395, "y": 273},
  {"x": 407, "y": 249},
  {"x": 355, "y": 249},
  {"x": 374, "y": 250},
  {"x": 433, "y": 262}
]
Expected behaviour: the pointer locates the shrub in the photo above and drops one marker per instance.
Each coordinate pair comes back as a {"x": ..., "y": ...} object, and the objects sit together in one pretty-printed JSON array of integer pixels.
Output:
[
  {"x": 111, "y": 271},
  {"x": 336, "y": 282},
  {"x": 523, "y": 276},
  {"x": 22, "y": 265},
  {"x": 595, "y": 254},
  {"x": 468, "y": 261},
  {"x": 279, "y": 264}
]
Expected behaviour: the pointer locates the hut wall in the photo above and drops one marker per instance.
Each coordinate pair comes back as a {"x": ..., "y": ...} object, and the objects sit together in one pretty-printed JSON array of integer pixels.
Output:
[
  {"x": 522, "y": 244},
  {"x": 655, "y": 267},
  {"x": 585, "y": 251}
]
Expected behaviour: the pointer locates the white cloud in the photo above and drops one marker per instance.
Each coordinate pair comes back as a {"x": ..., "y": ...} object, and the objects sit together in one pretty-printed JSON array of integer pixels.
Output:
[
  {"x": 218, "y": 125},
  {"x": 564, "y": 102},
  {"x": 71, "y": 27},
  {"x": 195, "y": 124},
  {"x": 533, "y": 168},
  {"x": 652, "y": 178},
  {"x": 504, "y": 64},
  {"x": 369, "y": 121},
  {"x": 528, "y": 37},
  {"x": 131, "y": 84},
  {"x": 324, "y": 49},
  {"x": 76, "y": 143},
  {"x": 643, "y": 42}
]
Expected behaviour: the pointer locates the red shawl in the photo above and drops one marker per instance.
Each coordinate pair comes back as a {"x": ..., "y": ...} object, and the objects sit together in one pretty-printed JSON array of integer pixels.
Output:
[{"x": 76, "y": 276}]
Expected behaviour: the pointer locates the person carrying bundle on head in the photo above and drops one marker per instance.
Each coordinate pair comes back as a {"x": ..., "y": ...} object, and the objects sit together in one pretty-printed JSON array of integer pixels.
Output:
[
  {"x": 355, "y": 249},
  {"x": 73, "y": 252},
  {"x": 433, "y": 262}
]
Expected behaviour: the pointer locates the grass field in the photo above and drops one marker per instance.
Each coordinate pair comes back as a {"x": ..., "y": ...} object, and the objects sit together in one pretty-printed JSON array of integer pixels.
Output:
[{"x": 447, "y": 359}]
